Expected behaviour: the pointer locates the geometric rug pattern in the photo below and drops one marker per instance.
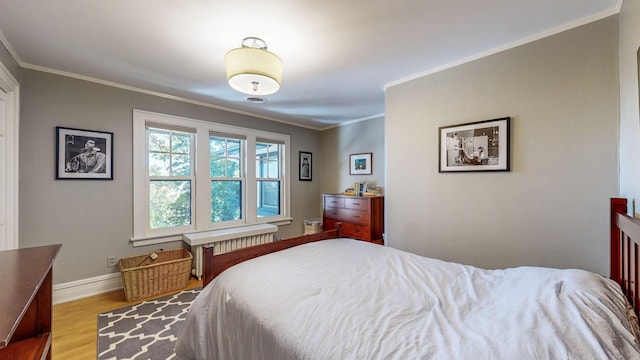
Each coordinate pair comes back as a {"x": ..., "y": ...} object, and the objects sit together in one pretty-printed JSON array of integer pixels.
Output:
[{"x": 146, "y": 331}]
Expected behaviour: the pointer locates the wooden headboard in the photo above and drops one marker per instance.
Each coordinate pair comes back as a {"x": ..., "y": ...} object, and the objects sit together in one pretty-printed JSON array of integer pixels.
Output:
[
  {"x": 213, "y": 265},
  {"x": 625, "y": 237}
]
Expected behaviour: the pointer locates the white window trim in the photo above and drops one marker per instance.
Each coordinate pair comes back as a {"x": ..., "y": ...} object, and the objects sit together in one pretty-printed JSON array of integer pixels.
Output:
[{"x": 142, "y": 235}]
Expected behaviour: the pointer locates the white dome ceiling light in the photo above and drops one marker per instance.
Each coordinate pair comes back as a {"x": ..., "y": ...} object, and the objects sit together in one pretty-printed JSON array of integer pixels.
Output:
[{"x": 253, "y": 70}]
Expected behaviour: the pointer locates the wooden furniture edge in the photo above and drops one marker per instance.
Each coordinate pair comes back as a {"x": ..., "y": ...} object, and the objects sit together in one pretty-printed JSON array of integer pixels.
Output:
[
  {"x": 31, "y": 348},
  {"x": 625, "y": 237},
  {"x": 29, "y": 334},
  {"x": 213, "y": 265}
]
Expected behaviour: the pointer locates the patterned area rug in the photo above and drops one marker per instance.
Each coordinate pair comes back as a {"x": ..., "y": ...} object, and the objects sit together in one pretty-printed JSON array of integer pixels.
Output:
[{"x": 144, "y": 331}]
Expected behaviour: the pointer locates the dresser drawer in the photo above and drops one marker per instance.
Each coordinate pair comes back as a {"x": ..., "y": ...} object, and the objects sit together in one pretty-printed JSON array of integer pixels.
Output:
[
  {"x": 347, "y": 215},
  {"x": 333, "y": 213},
  {"x": 333, "y": 202},
  {"x": 350, "y": 230},
  {"x": 354, "y": 216},
  {"x": 356, "y": 231},
  {"x": 356, "y": 204}
]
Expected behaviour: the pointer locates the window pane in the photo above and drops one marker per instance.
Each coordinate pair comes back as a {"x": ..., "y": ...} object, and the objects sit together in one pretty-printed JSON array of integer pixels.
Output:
[
  {"x": 217, "y": 146},
  {"x": 159, "y": 164},
  {"x": 267, "y": 160},
  {"x": 261, "y": 168},
  {"x": 180, "y": 165},
  {"x": 261, "y": 149},
  {"x": 181, "y": 143},
  {"x": 226, "y": 200},
  {"x": 268, "y": 198},
  {"x": 217, "y": 166},
  {"x": 169, "y": 203},
  {"x": 225, "y": 157},
  {"x": 233, "y": 147},
  {"x": 267, "y": 169},
  {"x": 159, "y": 140},
  {"x": 273, "y": 151},
  {"x": 169, "y": 153},
  {"x": 233, "y": 167},
  {"x": 273, "y": 170}
]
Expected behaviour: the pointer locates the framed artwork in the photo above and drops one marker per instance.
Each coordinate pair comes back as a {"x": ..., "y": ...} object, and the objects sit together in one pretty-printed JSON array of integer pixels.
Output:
[
  {"x": 84, "y": 154},
  {"x": 360, "y": 164},
  {"x": 305, "y": 166},
  {"x": 477, "y": 146}
]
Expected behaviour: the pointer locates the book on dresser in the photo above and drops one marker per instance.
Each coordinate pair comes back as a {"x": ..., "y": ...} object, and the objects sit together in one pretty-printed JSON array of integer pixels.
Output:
[{"x": 362, "y": 217}]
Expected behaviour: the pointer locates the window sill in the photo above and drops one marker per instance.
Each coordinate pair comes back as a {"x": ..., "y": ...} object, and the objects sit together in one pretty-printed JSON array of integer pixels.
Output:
[
  {"x": 154, "y": 240},
  {"x": 282, "y": 222},
  {"x": 165, "y": 238}
]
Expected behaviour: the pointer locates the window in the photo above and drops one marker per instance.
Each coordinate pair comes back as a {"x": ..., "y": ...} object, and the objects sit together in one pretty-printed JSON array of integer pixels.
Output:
[
  {"x": 192, "y": 175},
  {"x": 170, "y": 167},
  {"x": 268, "y": 178},
  {"x": 226, "y": 178}
]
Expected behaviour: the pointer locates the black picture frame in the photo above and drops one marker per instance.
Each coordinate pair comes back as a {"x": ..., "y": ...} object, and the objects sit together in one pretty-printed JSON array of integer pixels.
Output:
[
  {"x": 83, "y": 154},
  {"x": 476, "y": 146},
  {"x": 305, "y": 166}
]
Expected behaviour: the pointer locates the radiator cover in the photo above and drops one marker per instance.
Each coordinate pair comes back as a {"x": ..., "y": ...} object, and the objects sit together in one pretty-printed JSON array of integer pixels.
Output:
[{"x": 225, "y": 240}]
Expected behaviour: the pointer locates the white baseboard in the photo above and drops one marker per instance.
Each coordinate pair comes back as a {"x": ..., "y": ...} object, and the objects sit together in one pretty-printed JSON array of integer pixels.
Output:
[{"x": 86, "y": 287}]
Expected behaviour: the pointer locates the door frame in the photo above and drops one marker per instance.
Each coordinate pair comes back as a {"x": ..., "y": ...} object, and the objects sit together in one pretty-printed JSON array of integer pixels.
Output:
[{"x": 10, "y": 89}]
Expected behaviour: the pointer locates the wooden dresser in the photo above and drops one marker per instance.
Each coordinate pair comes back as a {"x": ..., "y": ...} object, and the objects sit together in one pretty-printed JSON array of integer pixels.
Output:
[
  {"x": 26, "y": 302},
  {"x": 362, "y": 217}
]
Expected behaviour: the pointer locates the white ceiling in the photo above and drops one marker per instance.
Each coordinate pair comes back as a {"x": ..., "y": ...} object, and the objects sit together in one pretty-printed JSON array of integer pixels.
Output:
[{"x": 338, "y": 56}]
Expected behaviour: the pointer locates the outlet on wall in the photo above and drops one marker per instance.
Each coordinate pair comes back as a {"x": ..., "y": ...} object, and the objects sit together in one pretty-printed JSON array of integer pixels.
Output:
[{"x": 112, "y": 261}]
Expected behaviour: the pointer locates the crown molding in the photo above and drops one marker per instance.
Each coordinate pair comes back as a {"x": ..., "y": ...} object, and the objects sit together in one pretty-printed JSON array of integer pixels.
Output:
[{"x": 158, "y": 94}]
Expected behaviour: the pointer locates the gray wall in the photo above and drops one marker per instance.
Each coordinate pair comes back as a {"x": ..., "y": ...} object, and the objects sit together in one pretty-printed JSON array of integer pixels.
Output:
[
  {"x": 338, "y": 143},
  {"x": 93, "y": 219},
  {"x": 552, "y": 208},
  {"x": 9, "y": 62},
  {"x": 629, "y": 101}
]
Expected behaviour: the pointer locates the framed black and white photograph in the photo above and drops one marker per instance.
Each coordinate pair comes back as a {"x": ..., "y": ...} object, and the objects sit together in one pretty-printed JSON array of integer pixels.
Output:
[
  {"x": 476, "y": 146},
  {"x": 305, "y": 166},
  {"x": 84, "y": 154},
  {"x": 360, "y": 164}
]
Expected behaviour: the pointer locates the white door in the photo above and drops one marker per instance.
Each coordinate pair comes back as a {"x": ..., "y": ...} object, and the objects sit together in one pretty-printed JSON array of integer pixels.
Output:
[
  {"x": 8, "y": 164},
  {"x": 3, "y": 173},
  {"x": 8, "y": 196}
]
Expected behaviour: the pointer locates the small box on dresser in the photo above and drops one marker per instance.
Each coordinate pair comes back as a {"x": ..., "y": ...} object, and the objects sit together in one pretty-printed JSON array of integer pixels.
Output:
[{"x": 362, "y": 217}]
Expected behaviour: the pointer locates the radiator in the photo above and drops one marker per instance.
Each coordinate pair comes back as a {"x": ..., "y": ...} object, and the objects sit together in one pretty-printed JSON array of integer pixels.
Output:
[{"x": 227, "y": 240}]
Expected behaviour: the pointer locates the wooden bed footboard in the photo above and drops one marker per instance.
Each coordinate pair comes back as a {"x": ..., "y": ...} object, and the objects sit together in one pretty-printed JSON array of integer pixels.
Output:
[
  {"x": 214, "y": 264},
  {"x": 625, "y": 237}
]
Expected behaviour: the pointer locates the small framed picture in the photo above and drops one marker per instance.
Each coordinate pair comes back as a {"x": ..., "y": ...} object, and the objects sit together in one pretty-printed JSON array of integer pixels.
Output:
[
  {"x": 84, "y": 154},
  {"x": 305, "y": 166},
  {"x": 360, "y": 164},
  {"x": 477, "y": 146}
]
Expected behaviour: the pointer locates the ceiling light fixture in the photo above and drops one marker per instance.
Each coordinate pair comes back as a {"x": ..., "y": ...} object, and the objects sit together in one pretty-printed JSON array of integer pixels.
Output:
[{"x": 253, "y": 70}]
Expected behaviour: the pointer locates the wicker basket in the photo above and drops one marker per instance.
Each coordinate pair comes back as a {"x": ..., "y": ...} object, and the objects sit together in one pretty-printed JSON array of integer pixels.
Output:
[{"x": 143, "y": 277}]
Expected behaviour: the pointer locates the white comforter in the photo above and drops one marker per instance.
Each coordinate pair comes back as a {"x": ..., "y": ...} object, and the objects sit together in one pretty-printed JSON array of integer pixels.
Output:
[{"x": 347, "y": 299}]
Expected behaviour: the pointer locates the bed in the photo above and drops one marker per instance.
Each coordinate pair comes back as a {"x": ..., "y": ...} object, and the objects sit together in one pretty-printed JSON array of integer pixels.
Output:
[{"x": 326, "y": 297}]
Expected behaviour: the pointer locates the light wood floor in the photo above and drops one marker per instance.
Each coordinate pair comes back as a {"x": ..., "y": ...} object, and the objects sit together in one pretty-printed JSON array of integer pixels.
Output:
[{"x": 75, "y": 323}]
